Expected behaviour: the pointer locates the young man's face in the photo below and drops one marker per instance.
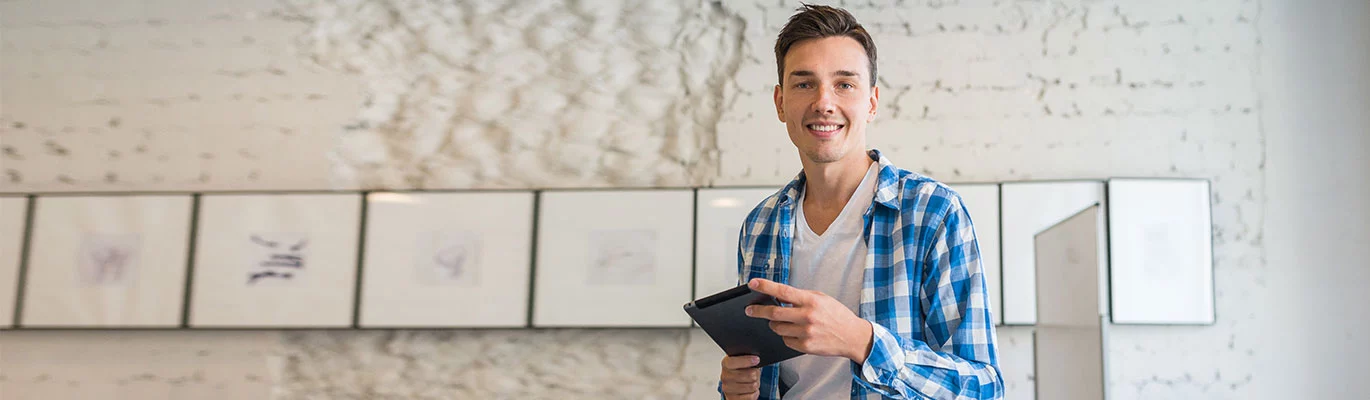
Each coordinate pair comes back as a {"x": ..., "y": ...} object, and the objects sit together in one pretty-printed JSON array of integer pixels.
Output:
[{"x": 826, "y": 98}]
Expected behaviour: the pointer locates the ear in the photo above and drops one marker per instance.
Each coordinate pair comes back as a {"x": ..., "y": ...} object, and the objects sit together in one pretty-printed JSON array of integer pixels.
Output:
[
  {"x": 875, "y": 102},
  {"x": 779, "y": 104}
]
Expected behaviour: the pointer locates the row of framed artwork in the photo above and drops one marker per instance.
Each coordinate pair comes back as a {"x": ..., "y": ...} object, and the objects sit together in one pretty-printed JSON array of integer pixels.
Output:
[{"x": 510, "y": 258}]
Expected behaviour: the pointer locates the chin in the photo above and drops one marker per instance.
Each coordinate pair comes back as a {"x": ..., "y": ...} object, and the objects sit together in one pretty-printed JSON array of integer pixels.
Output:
[{"x": 824, "y": 156}]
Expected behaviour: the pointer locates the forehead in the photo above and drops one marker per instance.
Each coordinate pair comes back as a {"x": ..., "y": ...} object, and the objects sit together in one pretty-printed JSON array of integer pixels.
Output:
[{"x": 826, "y": 55}]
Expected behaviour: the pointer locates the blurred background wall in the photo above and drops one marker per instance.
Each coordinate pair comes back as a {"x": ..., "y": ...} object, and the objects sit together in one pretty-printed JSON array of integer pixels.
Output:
[
  {"x": 1315, "y": 93},
  {"x": 1267, "y": 98}
]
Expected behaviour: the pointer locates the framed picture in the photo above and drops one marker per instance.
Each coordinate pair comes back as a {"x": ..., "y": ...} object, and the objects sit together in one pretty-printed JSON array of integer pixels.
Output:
[
  {"x": 982, "y": 204},
  {"x": 1161, "y": 238},
  {"x": 447, "y": 260},
  {"x": 1071, "y": 330},
  {"x": 719, "y": 216},
  {"x": 275, "y": 260},
  {"x": 1029, "y": 208},
  {"x": 14, "y": 211},
  {"x": 613, "y": 258},
  {"x": 107, "y": 261}
]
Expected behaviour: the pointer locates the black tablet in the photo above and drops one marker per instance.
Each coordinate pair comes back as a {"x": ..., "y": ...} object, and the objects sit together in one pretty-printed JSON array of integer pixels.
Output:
[{"x": 723, "y": 317}]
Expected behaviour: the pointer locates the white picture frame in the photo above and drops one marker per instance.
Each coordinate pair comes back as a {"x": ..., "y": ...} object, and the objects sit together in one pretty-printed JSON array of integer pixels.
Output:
[
  {"x": 1028, "y": 208},
  {"x": 447, "y": 260},
  {"x": 14, "y": 212},
  {"x": 1161, "y": 240},
  {"x": 275, "y": 260},
  {"x": 719, "y": 215},
  {"x": 613, "y": 258},
  {"x": 113, "y": 261},
  {"x": 981, "y": 201}
]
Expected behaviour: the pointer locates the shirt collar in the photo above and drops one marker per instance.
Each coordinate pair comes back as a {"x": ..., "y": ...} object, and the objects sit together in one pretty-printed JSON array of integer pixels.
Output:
[{"x": 886, "y": 184}]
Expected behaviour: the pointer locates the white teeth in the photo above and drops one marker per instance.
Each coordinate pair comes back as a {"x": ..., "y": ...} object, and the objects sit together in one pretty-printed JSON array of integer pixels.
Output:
[{"x": 823, "y": 128}]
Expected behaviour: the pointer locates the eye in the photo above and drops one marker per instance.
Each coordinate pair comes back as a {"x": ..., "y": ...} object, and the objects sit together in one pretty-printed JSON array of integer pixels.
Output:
[
  {"x": 802, "y": 85},
  {"x": 845, "y": 85}
]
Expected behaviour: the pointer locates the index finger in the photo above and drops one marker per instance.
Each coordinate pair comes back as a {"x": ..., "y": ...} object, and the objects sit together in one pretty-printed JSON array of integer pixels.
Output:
[{"x": 780, "y": 291}]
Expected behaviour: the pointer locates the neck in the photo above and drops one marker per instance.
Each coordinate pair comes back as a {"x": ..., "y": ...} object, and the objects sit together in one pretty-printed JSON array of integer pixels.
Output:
[{"x": 832, "y": 184}]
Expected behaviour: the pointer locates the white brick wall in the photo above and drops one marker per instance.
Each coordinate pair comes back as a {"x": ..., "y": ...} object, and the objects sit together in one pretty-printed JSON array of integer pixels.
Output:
[
  {"x": 176, "y": 95},
  {"x": 144, "y": 95}
]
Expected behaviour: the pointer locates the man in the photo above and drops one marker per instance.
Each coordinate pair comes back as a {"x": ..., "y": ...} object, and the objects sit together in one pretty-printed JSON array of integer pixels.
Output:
[{"x": 879, "y": 266}]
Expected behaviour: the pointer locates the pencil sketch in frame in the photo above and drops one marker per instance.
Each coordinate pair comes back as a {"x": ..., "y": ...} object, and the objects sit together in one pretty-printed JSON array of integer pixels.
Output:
[
  {"x": 447, "y": 259},
  {"x": 113, "y": 261},
  {"x": 613, "y": 258},
  {"x": 1161, "y": 239},
  {"x": 275, "y": 260}
]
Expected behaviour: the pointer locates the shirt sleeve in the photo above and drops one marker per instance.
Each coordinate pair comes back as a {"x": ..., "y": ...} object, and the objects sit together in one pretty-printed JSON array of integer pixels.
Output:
[{"x": 956, "y": 358}]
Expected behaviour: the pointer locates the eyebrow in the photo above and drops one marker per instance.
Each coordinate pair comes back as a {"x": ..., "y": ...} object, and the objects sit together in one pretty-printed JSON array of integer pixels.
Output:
[{"x": 807, "y": 73}]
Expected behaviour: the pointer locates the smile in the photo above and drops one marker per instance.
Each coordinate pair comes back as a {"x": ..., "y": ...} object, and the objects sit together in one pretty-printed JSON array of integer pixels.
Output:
[{"x": 824, "y": 131}]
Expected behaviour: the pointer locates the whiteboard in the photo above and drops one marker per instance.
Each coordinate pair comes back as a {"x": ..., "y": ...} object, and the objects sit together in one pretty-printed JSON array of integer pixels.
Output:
[
  {"x": 982, "y": 203},
  {"x": 1070, "y": 332},
  {"x": 1161, "y": 239},
  {"x": 720, "y": 214},
  {"x": 107, "y": 261},
  {"x": 1029, "y": 208},
  {"x": 13, "y": 216},
  {"x": 613, "y": 258},
  {"x": 447, "y": 259},
  {"x": 277, "y": 260}
]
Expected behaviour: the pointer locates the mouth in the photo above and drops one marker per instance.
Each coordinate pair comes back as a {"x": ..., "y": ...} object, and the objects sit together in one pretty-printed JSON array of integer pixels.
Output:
[{"x": 824, "y": 130}]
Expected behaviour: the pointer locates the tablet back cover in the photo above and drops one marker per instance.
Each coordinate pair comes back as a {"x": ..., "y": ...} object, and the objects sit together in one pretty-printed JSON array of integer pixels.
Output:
[{"x": 723, "y": 318}]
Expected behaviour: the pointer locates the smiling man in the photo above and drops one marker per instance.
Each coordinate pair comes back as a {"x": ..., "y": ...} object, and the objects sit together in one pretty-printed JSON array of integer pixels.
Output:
[{"x": 879, "y": 266}]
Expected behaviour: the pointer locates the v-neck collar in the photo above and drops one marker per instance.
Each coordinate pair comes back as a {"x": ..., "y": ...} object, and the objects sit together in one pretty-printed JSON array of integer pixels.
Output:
[{"x": 849, "y": 210}]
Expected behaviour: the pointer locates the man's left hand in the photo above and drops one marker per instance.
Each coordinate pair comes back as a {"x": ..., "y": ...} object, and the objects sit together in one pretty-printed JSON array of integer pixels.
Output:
[{"x": 816, "y": 323}]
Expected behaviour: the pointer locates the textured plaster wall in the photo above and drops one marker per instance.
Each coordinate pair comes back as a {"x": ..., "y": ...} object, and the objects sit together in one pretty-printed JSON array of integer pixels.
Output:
[
  {"x": 264, "y": 94},
  {"x": 525, "y": 93}
]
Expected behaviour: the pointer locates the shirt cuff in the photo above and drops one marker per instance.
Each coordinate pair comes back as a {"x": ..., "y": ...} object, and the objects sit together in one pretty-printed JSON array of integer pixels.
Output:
[{"x": 882, "y": 364}]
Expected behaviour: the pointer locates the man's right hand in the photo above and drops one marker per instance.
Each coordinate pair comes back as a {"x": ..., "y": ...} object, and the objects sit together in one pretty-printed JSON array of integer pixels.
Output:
[{"x": 741, "y": 378}]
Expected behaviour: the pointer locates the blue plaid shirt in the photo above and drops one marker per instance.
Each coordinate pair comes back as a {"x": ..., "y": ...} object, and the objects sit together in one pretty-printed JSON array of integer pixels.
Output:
[{"x": 923, "y": 291}]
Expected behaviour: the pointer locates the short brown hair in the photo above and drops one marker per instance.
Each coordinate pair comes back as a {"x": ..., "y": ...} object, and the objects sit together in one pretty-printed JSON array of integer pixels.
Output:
[{"x": 817, "y": 22}]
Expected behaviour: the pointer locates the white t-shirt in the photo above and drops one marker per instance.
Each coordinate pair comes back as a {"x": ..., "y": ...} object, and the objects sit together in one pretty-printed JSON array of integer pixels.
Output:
[{"x": 833, "y": 263}]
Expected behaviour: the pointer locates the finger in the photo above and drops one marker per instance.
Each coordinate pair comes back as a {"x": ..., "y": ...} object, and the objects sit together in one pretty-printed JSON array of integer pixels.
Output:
[
  {"x": 784, "y": 293},
  {"x": 739, "y": 389},
  {"x": 742, "y": 377},
  {"x": 740, "y": 395},
  {"x": 740, "y": 362},
  {"x": 795, "y": 343},
  {"x": 788, "y": 330},
  {"x": 771, "y": 313},
  {"x": 775, "y": 313}
]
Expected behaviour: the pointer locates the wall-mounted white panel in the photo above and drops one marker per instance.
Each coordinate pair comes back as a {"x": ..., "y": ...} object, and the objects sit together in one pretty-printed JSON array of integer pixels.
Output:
[
  {"x": 1028, "y": 208},
  {"x": 720, "y": 214},
  {"x": 1161, "y": 239},
  {"x": 613, "y": 258},
  {"x": 107, "y": 261}
]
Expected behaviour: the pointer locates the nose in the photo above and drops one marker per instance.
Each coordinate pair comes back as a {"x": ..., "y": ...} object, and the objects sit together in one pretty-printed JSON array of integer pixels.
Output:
[{"x": 824, "y": 104}]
